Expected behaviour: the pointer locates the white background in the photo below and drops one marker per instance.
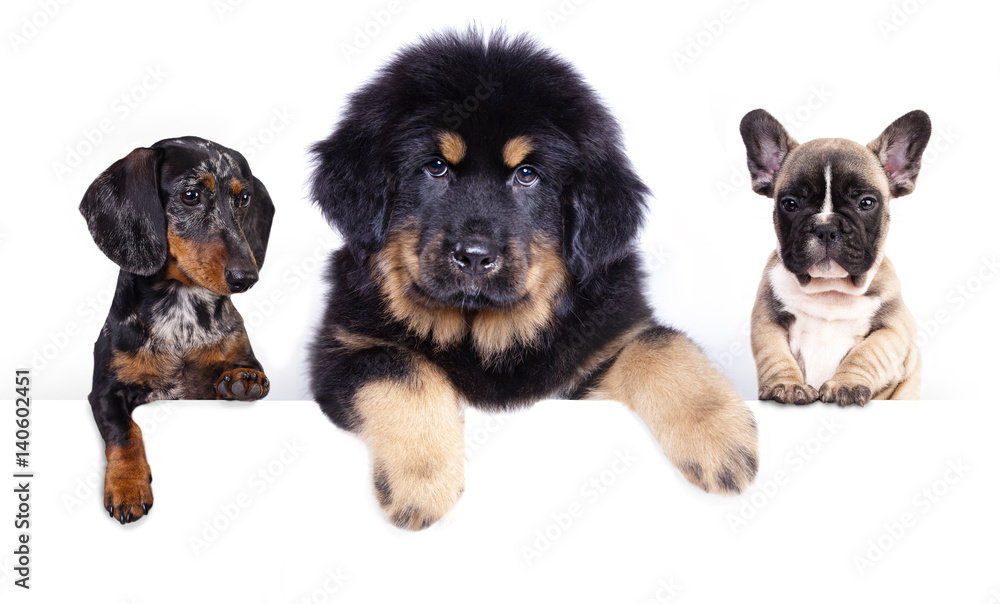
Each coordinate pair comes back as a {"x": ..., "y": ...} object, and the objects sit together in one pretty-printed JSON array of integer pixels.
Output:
[{"x": 271, "y": 79}]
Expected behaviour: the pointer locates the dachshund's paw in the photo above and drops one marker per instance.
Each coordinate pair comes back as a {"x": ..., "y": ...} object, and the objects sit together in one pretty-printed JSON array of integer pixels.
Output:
[
  {"x": 128, "y": 494},
  {"x": 242, "y": 384},
  {"x": 795, "y": 394}
]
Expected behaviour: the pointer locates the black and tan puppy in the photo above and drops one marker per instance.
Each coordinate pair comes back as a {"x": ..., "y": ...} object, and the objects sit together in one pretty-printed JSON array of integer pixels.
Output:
[
  {"x": 829, "y": 322},
  {"x": 188, "y": 224},
  {"x": 490, "y": 216}
]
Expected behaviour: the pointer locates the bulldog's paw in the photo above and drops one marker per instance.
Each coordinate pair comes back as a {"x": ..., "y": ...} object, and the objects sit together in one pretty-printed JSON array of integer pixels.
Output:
[
  {"x": 790, "y": 393},
  {"x": 242, "y": 384},
  {"x": 844, "y": 394},
  {"x": 718, "y": 453},
  {"x": 415, "y": 498}
]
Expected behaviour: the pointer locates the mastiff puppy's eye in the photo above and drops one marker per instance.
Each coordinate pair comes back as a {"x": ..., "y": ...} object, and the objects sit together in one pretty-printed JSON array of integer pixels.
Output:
[{"x": 436, "y": 168}]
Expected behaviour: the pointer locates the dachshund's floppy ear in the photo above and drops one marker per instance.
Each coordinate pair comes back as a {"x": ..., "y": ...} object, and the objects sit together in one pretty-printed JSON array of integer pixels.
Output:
[
  {"x": 351, "y": 182},
  {"x": 256, "y": 221},
  {"x": 604, "y": 207},
  {"x": 125, "y": 214}
]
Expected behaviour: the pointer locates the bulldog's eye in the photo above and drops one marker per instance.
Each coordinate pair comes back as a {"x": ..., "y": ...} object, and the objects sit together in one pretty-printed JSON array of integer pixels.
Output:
[
  {"x": 436, "y": 168},
  {"x": 191, "y": 197},
  {"x": 525, "y": 176},
  {"x": 867, "y": 203},
  {"x": 243, "y": 200},
  {"x": 789, "y": 205}
]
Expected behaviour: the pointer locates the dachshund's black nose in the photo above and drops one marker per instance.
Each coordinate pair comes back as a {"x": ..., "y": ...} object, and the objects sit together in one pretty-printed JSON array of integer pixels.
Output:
[{"x": 240, "y": 280}]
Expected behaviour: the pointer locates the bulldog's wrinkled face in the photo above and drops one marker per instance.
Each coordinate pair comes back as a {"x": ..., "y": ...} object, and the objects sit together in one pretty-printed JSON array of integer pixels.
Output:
[
  {"x": 832, "y": 195},
  {"x": 831, "y": 209}
]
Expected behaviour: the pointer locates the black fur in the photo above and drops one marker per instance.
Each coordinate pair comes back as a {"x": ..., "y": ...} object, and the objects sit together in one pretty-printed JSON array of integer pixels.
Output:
[
  {"x": 169, "y": 321},
  {"x": 372, "y": 180}
]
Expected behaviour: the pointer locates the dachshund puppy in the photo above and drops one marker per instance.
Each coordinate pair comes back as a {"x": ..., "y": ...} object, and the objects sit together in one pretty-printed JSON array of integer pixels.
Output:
[{"x": 188, "y": 224}]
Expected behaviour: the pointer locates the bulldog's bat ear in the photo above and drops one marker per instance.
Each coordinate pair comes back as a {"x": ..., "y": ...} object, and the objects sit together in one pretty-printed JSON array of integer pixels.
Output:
[
  {"x": 899, "y": 149},
  {"x": 767, "y": 144}
]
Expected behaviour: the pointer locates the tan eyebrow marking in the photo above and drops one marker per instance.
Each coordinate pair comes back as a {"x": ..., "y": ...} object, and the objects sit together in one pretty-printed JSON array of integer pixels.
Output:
[
  {"x": 452, "y": 146},
  {"x": 516, "y": 150},
  {"x": 209, "y": 181}
]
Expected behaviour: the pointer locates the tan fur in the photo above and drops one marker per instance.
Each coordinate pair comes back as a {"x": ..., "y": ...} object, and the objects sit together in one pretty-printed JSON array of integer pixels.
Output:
[
  {"x": 235, "y": 186},
  {"x": 397, "y": 266},
  {"x": 209, "y": 181},
  {"x": 701, "y": 422},
  {"x": 516, "y": 149},
  {"x": 127, "y": 477},
  {"x": 202, "y": 264},
  {"x": 452, "y": 146},
  {"x": 886, "y": 362},
  {"x": 495, "y": 332},
  {"x": 416, "y": 433},
  {"x": 144, "y": 367},
  {"x": 778, "y": 373}
]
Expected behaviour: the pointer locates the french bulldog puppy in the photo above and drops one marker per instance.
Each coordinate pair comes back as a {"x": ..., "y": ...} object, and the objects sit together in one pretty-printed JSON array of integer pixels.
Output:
[{"x": 829, "y": 321}]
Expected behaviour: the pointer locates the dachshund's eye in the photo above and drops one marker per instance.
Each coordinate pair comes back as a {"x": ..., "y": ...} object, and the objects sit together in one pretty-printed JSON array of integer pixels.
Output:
[
  {"x": 789, "y": 204},
  {"x": 191, "y": 197},
  {"x": 243, "y": 200},
  {"x": 525, "y": 176},
  {"x": 867, "y": 203},
  {"x": 436, "y": 168}
]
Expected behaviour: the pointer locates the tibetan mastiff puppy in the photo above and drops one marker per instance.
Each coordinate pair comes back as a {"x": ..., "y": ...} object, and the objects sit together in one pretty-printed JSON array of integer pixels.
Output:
[{"x": 489, "y": 215}]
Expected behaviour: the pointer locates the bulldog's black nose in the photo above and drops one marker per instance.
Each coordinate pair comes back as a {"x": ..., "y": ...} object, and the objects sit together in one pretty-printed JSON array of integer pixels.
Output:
[
  {"x": 476, "y": 256},
  {"x": 827, "y": 234},
  {"x": 240, "y": 280}
]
